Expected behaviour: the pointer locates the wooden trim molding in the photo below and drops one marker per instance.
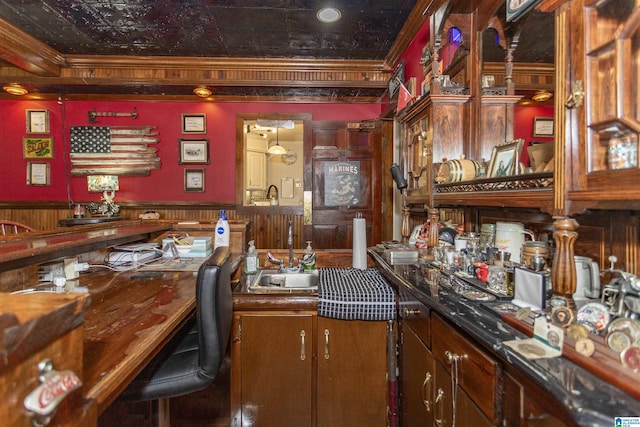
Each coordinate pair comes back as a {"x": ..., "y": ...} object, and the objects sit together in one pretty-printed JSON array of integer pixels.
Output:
[{"x": 28, "y": 53}]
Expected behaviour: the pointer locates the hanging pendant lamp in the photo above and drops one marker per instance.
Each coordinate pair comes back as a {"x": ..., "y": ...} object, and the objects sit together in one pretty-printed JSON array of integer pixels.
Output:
[{"x": 277, "y": 148}]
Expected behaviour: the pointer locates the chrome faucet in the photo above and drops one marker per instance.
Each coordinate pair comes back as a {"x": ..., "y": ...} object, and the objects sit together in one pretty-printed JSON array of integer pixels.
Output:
[
  {"x": 290, "y": 243},
  {"x": 269, "y": 191}
]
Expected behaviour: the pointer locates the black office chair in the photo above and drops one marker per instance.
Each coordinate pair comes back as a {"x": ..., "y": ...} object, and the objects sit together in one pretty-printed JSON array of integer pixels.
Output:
[{"x": 191, "y": 360}]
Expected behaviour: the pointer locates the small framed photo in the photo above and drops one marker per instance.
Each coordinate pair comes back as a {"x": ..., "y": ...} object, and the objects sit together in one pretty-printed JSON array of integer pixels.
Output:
[
  {"x": 194, "y": 180},
  {"x": 38, "y": 121},
  {"x": 543, "y": 126},
  {"x": 194, "y": 123},
  {"x": 38, "y": 147},
  {"x": 38, "y": 173},
  {"x": 505, "y": 159},
  {"x": 194, "y": 151}
]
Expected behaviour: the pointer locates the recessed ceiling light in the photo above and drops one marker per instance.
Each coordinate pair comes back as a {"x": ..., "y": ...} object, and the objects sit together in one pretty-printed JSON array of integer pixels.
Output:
[
  {"x": 542, "y": 95},
  {"x": 202, "y": 92},
  {"x": 328, "y": 15}
]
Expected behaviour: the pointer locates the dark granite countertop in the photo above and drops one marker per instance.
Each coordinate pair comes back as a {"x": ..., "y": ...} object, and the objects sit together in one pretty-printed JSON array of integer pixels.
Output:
[{"x": 590, "y": 400}]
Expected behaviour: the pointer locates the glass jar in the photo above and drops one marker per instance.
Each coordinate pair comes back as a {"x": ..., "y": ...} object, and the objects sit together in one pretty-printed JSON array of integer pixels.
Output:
[{"x": 487, "y": 236}]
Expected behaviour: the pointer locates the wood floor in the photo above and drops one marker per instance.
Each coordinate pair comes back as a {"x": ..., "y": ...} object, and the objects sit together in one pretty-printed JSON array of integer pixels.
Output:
[{"x": 206, "y": 408}]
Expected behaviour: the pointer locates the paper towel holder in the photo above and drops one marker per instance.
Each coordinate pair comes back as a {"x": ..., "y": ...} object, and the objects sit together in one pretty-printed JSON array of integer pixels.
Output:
[{"x": 399, "y": 179}]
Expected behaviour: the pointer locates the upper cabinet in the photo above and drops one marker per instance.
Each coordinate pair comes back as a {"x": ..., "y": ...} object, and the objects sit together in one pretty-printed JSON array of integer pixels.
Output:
[
  {"x": 459, "y": 136},
  {"x": 602, "y": 100}
]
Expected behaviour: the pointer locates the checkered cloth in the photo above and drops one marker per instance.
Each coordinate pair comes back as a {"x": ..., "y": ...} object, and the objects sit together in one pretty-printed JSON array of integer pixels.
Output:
[{"x": 354, "y": 294}]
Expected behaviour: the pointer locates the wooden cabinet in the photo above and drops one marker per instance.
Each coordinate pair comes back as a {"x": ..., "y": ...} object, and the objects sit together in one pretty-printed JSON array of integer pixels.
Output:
[
  {"x": 256, "y": 170},
  {"x": 273, "y": 356},
  {"x": 605, "y": 61},
  {"x": 418, "y": 378},
  {"x": 352, "y": 380},
  {"x": 467, "y": 378},
  {"x": 281, "y": 376}
]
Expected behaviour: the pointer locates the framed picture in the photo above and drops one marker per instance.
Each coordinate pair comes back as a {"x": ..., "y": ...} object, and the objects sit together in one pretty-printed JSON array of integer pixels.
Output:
[
  {"x": 194, "y": 123},
  {"x": 543, "y": 126},
  {"x": 194, "y": 151},
  {"x": 38, "y": 147},
  {"x": 505, "y": 158},
  {"x": 194, "y": 180},
  {"x": 38, "y": 173},
  {"x": 37, "y": 121}
]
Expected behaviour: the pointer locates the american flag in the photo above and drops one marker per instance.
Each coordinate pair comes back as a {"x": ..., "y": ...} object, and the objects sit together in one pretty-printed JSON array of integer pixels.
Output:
[{"x": 90, "y": 139}]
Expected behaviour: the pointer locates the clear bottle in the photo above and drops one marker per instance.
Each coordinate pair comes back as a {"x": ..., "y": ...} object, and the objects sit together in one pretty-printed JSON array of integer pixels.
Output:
[
  {"x": 251, "y": 259},
  {"x": 222, "y": 230},
  {"x": 308, "y": 252}
]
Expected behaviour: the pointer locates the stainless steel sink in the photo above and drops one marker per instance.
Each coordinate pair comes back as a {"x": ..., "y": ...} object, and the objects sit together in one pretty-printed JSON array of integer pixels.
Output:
[{"x": 273, "y": 281}]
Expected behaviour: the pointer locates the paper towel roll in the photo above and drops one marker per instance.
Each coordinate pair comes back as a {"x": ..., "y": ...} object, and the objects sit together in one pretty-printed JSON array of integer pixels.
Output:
[{"x": 359, "y": 243}]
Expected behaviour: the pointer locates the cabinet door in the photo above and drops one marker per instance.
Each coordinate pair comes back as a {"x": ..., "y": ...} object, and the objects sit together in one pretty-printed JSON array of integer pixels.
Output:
[
  {"x": 418, "y": 376},
  {"x": 276, "y": 370},
  {"x": 352, "y": 383},
  {"x": 256, "y": 170}
]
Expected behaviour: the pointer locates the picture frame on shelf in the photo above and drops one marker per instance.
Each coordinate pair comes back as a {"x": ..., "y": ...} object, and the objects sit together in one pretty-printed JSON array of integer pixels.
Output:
[
  {"x": 37, "y": 121},
  {"x": 194, "y": 151},
  {"x": 194, "y": 123},
  {"x": 505, "y": 159},
  {"x": 40, "y": 147},
  {"x": 194, "y": 180},
  {"x": 543, "y": 126},
  {"x": 38, "y": 173}
]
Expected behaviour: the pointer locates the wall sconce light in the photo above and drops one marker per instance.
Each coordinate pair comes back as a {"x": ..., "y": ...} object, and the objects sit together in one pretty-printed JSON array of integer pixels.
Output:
[
  {"x": 15, "y": 89},
  {"x": 542, "y": 95},
  {"x": 108, "y": 185},
  {"x": 202, "y": 92}
]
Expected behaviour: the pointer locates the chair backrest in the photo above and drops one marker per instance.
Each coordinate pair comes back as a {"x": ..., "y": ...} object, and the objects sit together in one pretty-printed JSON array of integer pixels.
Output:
[
  {"x": 214, "y": 309},
  {"x": 8, "y": 227}
]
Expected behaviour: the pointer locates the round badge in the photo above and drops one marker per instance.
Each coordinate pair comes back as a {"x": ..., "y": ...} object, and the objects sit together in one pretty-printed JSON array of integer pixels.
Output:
[
  {"x": 585, "y": 347},
  {"x": 594, "y": 315},
  {"x": 618, "y": 341},
  {"x": 631, "y": 357},
  {"x": 576, "y": 331},
  {"x": 553, "y": 338},
  {"x": 562, "y": 316}
]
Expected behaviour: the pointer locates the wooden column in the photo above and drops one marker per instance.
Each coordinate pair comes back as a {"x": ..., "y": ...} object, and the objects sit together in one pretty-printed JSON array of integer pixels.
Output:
[
  {"x": 434, "y": 236},
  {"x": 563, "y": 272},
  {"x": 406, "y": 228}
]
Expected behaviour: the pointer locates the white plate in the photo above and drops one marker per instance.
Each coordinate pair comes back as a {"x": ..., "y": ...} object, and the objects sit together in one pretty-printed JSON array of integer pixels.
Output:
[{"x": 594, "y": 315}]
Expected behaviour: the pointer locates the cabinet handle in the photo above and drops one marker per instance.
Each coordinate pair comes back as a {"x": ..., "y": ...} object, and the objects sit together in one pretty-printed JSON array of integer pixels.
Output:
[
  {"x": 303, "y": 354},
  {"x": 452, "y": 357},
  {"x": 426, "y": 388},
  {"x": 326, "y": 343},
  {"x": 411, "y": 312},
  {"x": 439, "y": 406},
  {"x": 54, "y": 386}
]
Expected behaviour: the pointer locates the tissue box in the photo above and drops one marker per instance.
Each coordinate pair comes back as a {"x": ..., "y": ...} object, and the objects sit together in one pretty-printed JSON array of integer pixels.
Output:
[{"x": 202, "y": 248}]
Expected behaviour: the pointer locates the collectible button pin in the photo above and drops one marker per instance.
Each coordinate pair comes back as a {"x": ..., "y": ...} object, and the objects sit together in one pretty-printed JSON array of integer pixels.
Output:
[
  {"x": 576, "y": 331},
  {"x": 523, "y": 313},
  {"x": 585, "y": 347},
  {"x": 562, "y": 316},
  {"x": 631, "y": 357},
  {"x": 618, "y": 341}
]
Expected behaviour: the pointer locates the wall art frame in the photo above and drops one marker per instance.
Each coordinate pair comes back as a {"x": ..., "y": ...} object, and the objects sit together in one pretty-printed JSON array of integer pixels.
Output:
[
  {"x": 38, "y": 173},
  {"x": 194, "y": 151},
  {"x": 194, "y": 123},
  {"x": 37, "y": 147},
  {"x": 505, "y": 159},
  {"x": 37, "y": 121},
  {"x": 543, "y": 126},
  {"x": 194, "y": 180}
]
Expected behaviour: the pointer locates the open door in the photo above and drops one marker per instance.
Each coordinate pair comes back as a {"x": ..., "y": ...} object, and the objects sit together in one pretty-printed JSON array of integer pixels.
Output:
[{"x": 342, "y": 178}]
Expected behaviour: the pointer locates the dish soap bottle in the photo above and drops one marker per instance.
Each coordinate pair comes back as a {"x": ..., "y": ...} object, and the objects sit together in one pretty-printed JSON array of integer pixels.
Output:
[
  {"x": 307, "y": 253},
  {"x": 251, "y": 259},
  {"x": 222, "y": 230}
]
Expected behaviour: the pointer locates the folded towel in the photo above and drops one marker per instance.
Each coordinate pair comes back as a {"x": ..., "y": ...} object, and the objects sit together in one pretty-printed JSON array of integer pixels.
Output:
[{"x": 355, "y": 294}]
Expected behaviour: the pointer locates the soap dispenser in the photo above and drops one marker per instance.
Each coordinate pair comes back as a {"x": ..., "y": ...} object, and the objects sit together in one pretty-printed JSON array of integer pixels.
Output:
[
  {"x": 251, "y": 259},
  {"x": 307, "y": 253}
]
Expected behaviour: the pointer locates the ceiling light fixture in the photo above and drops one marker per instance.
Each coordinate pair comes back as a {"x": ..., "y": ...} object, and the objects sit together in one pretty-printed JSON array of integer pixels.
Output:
[
  {"x": 15, "y": 89},
  {"x": 328, "y": 15},
  {"x": 542, "y": 95},
  {"x": 277, "y": 148},
  {"x": 202, "y": 92}
]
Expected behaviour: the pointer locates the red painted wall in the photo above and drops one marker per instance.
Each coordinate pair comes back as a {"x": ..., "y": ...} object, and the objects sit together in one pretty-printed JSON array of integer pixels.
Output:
[
  {"x": 523, "y": 128},
  {"x": 164, "y": 184}
]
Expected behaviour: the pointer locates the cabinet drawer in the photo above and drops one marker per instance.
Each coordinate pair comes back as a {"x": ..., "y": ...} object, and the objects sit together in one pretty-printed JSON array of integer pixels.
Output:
[
  {"x": 416, "y": 316},
  {"x": 477, "y": 372}
]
